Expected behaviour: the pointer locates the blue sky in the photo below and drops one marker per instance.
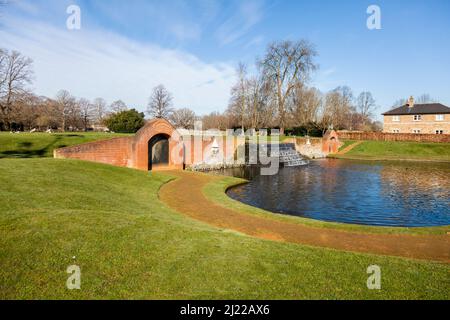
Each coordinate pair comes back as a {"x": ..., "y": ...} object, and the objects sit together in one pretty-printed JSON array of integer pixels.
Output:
[{"x": 124, "y": 48}]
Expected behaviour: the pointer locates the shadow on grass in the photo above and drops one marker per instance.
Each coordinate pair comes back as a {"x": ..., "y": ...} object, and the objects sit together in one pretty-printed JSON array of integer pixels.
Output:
[{"x": 25, "y": 150}]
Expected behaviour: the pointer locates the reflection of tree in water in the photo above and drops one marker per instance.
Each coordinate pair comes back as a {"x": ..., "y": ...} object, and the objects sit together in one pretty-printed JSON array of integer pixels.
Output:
[
  {"x": 363, "y": 192},
  {"x": 417, "y": 184}
]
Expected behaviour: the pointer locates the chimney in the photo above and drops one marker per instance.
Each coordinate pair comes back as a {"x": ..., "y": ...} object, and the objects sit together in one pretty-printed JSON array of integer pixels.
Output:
[{"x": 411, "y": 102}]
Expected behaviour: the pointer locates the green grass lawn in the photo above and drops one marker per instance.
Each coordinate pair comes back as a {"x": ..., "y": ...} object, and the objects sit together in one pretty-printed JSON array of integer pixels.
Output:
[
  {"x": 130, "y": 245},
  {"x": 36, "y": 145},
  {"x": 384, "y": 150},
  {"x": 346, "y": 143}
]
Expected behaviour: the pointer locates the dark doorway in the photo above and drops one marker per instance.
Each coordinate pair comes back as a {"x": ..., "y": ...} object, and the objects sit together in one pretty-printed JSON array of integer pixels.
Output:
[
  {"x": 332, "y": 145},
  {"x": 158, "y": 151}
]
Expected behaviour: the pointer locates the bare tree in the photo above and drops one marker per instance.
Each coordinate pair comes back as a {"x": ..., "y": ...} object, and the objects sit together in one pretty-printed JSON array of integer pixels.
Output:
[
  {"x": 338, "y": 109},
  {"x": 216, "y": 120},
  {"x": 49, "y": 116},
  {"x": 118, "y": 106},
  {"x": 286, "y": 64},
  {"x": 365, "y": 104},
  {"x": 239, "y": 96},
  {"x": 15, "y": 73},
  {"x": 260, "y": 109},
  {"x": 183, "y": 118},
  {"x": 344, "y": 109},
  {"x": 25, "y": 110},
  {"x": 86, "y": 112},
  {"x": 306, "y": 103},
  {"x": 399, "y": 103},
  {"x": 160, "y": 104},
  {"x": 100, "y": 110},
  {"x": 425, "y": 98},
  {"x": 66, "y": 104}
]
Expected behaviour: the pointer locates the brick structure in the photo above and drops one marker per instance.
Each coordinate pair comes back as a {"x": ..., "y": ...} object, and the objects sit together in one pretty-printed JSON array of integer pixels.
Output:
[
  {"x": 131, "y": 152},
  {"x": 382, "y": 136},
  {"x": 330, "y": 142},
  {"x": 157, "y": 146},
  {"x": 316, "y": 148},
  {"x": 431, "y": 118}
]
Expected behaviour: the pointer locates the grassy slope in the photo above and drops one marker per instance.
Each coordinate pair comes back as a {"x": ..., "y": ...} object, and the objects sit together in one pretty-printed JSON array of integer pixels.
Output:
[
  {"x": 33, "y": 145},
  {"x": 346, "y": 143},
  {"x": 129, "y": 245},
  {"x": 382, "y": 150}
]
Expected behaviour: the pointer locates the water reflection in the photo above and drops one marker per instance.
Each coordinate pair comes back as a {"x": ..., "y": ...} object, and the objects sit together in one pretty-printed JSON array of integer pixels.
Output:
[{"x": 371, "y": 193}]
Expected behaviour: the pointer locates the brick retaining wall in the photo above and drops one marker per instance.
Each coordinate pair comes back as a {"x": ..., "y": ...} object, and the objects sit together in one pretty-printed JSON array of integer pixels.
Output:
[
  {"x": 115, "y": 151},
  {"x": 380, "y": 136}
]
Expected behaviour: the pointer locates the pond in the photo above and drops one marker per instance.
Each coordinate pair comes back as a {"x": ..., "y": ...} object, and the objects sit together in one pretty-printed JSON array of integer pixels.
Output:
[{"x": 405, "y": 194}]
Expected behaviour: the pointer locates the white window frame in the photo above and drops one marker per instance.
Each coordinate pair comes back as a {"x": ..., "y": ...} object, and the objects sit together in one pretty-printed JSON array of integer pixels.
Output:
[
  {"x": 417, "y": 117},
  {"x": 439, "y": 117},
  {"x": 396, "y": 119},
  {"x": 439, "y": 131},
  {"x": 416, "y": 131},
  {"x": 395, "y": 130}
]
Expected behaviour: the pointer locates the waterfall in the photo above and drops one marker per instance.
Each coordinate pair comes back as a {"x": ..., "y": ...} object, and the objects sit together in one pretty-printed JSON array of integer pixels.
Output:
[{"x": 289, "y": 157}]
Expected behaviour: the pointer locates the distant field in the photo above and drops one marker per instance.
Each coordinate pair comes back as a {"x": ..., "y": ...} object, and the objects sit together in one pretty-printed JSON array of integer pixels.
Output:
[
  {"x": 390, "y": 150},
  {"x": 37, "y": 145}
]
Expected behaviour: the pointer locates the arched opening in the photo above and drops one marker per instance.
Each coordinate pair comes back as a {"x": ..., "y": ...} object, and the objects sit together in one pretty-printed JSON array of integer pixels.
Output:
[
  {"x": 158, "y": 151},
  {"x": 332, "y": 148}
]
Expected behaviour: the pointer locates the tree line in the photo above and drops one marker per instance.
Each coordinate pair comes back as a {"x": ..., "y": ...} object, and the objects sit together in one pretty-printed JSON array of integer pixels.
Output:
[
  {"x": 276, "y": 95},
  {"x": 22, "y": 110}
]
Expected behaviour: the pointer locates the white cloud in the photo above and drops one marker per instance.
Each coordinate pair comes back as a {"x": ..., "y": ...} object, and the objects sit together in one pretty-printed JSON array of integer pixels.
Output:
[
  {"x": 256, "y": 41},
  {"x": 185, "y": 32},
  {"x": 249, "y": 13},
  {"x": 329, "y": 72},
  {"x": 95, "y": 63}
]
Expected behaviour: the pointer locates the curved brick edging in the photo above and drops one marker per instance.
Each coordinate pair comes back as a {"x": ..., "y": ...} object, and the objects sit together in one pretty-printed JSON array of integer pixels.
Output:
[{"x": 185, "y": 195}]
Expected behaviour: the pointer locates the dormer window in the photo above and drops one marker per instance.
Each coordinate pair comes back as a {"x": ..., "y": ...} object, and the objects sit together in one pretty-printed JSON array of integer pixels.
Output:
[{"x": 417, "y": 117}]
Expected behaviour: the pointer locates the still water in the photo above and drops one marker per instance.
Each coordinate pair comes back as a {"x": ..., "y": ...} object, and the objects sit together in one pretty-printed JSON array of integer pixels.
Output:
[{"x": 404, "y": 194}]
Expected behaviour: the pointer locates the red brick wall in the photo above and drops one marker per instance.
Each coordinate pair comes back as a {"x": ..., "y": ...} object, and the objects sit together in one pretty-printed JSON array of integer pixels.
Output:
[
  {"x": 132, "y": 152},
  {"x": 114, "y": 151},
  {"x": 330, "y": 142},
  {"x": 380, "y": 136}
]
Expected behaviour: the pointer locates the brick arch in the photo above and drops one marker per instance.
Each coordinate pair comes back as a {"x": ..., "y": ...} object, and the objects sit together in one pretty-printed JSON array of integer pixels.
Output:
[
  {"x": 139, "y": 146},
  {"x": 330, "y": 142}
]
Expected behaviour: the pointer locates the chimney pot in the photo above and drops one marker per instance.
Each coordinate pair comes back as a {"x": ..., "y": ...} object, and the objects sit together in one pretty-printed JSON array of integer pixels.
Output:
[{"x": 411, "y": 102}]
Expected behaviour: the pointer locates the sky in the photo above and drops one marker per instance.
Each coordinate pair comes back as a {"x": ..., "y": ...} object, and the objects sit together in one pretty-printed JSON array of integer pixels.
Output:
[{"x": 125, "y": 48}]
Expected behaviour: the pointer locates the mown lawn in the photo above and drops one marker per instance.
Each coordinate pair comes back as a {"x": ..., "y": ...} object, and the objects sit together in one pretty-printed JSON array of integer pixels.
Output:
[
  {"x": 109, "y": 221},
  {"x": 384, "y": 150},
  {"x": 36, "y": 145}
]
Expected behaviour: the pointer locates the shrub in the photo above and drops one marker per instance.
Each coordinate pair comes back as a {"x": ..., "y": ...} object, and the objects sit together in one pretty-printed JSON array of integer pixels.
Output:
[{"x": 129, "y": 121}]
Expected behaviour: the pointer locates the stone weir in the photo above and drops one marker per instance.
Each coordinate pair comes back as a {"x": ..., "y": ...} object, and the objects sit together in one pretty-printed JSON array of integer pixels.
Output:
[{"x": 289, "y": 156}]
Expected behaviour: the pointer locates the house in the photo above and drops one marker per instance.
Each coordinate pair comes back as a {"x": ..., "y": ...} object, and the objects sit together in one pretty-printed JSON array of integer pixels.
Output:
[{"x": 428, "y": 118}]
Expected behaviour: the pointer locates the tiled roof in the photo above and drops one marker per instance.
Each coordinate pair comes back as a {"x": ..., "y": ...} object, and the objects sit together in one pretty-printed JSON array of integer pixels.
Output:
[{"x": 426, "y": 108}]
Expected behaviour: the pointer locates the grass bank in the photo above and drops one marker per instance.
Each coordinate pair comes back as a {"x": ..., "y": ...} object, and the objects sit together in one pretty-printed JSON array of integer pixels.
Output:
[
  {"x": 393, "y": 150},
  {"x": 128, "y": 244},
  {"x": 37, "y": 145}
]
